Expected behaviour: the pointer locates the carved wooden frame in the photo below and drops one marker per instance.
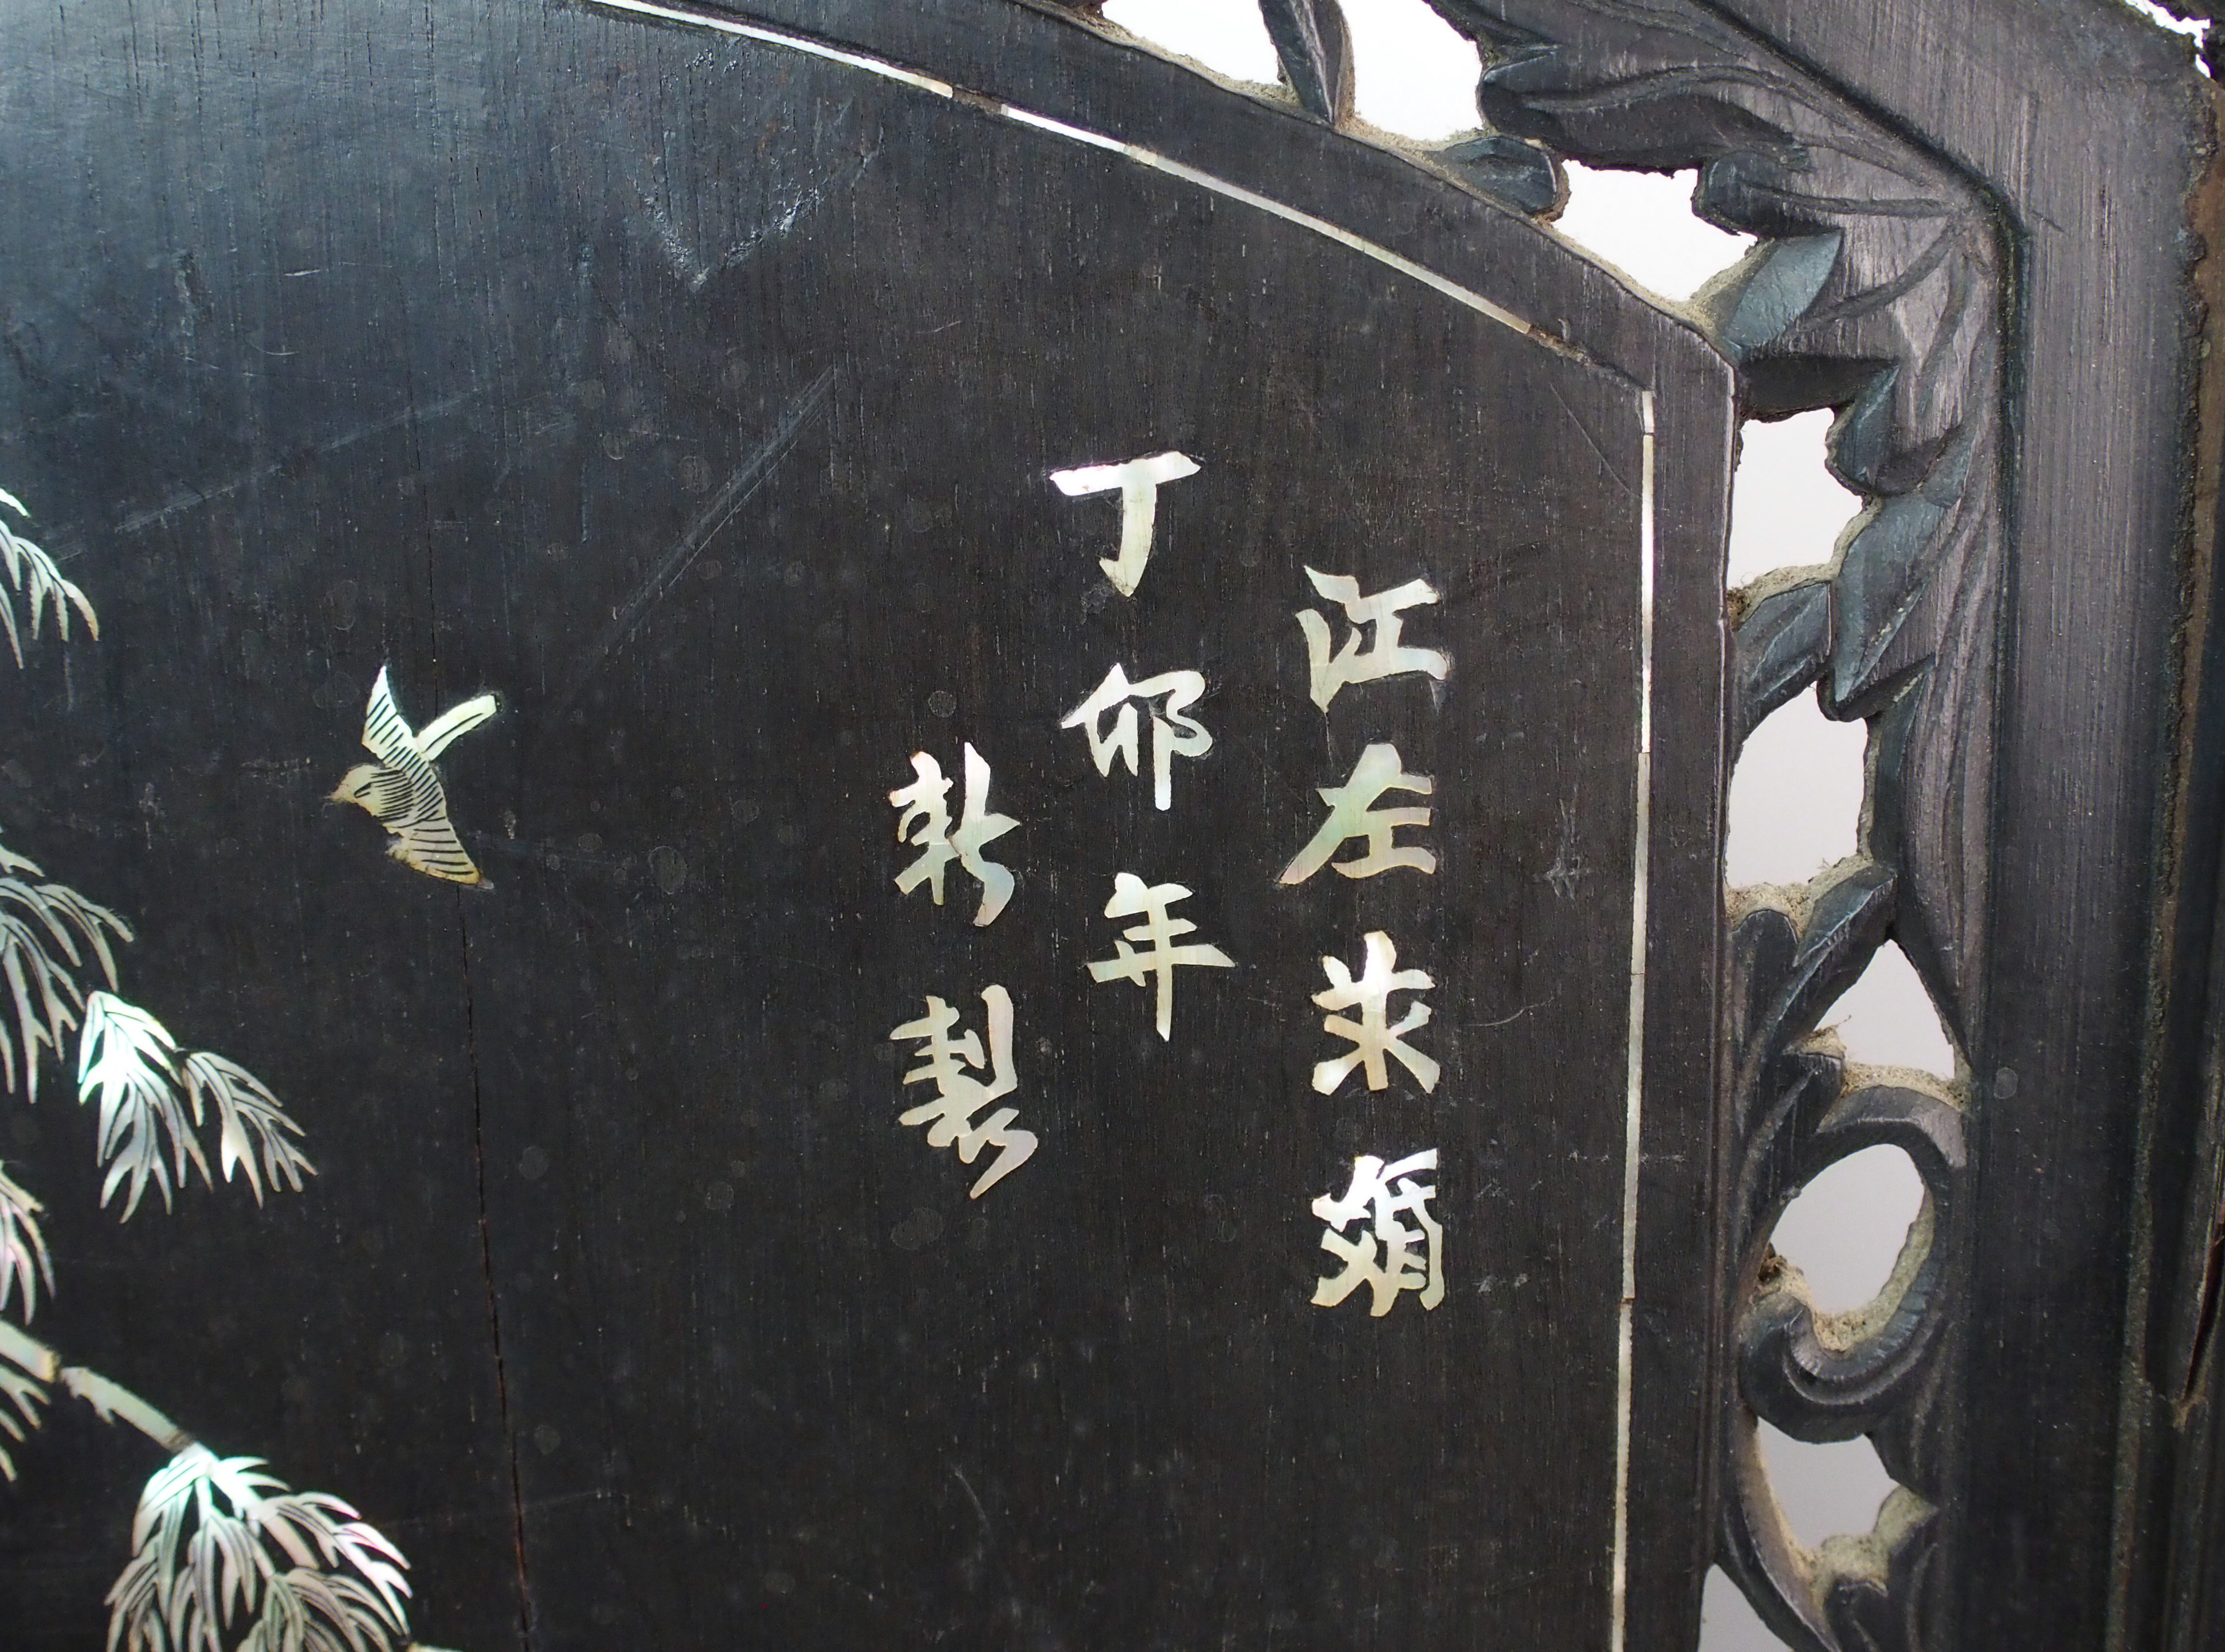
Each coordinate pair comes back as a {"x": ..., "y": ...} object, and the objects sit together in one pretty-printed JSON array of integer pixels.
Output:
[
  {"x": 1979, "y": 232},
  {"x": 1959, "y": 227},
  {"x": 1876, "y": 286}
]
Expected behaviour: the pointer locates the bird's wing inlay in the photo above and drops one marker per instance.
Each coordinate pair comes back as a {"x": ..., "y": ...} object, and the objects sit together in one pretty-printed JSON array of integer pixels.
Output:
[
  {"x": 457, "y": 719},
  {"x": 433, "y": 848},
  {"x": 389, "y": 739},
  {"x": 388, "y": 795},
  {"x": 386, "y": 736}
]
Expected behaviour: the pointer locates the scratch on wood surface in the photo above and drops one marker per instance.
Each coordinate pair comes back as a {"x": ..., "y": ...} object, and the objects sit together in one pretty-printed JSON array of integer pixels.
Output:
[
  {"x": 194, "y": 497},
  {"x": 959, "y": 1475},
  {"x": 714, "y": 515}
]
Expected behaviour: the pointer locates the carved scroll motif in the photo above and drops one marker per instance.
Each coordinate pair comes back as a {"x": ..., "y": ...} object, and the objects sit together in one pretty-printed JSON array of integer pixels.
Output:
[{"x": 1878, "y": 1371}]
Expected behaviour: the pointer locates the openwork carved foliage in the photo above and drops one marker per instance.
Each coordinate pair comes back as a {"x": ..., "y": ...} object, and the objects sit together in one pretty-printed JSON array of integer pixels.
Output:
[
  {"x": 1878, "y": 1371},
  {"x": 1876, "y": 288}
]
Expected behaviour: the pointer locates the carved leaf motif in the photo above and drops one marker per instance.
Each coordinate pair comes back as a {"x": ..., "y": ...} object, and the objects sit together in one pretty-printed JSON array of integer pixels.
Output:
[
  {"x": 1781, "y": 644},
  {"x": 1846, "y": 922},
  {"x": 1877, "y": 290},
  {"x": 1310, "y": 38}
]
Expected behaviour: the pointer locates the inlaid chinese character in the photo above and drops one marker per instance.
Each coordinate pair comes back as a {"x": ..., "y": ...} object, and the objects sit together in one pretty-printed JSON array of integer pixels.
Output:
[
  {"x": 1351, "y": 813},
  {"x": 1132, "y": 898},
  {"x": 1382, "y": 1256},
  {"x": 1137, "y": 482},
  {"x": 924, "y": 825},
  {"x": 957, "y": 1068},
  {"x": 1372, "y": 1035},
  {"x": 1173, "y": 734},
  {"x": 1386, "y": 658}
]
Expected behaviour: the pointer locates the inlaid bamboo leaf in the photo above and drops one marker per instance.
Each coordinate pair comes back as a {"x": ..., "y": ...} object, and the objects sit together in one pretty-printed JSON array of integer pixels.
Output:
[
  {"x": 48, "y": 931},
  {"x": 252, "y": 1126},
  {"x": 59, "y": 905},
  {"x": 226, "y": 1558},
  {"x": 23, "y": 1258},
  {"x": 24, "y": 1373},
  {"x": 128, "y": 1058},
  {"x": 33, "y": 578}
]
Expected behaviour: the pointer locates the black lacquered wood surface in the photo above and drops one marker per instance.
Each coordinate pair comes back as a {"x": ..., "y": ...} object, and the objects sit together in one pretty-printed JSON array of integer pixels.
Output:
[{"x": 700, "y": 398}]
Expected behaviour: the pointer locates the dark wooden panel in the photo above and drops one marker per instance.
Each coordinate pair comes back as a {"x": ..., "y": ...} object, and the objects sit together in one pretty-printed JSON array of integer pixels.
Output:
[
  {"x": 2092, "y": 153},
  {"x": 233, "y": 503},
  {"x": 700, "y": 398}
]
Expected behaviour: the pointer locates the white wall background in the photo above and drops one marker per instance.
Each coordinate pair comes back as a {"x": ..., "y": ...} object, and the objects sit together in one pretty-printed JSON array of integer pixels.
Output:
[{"x": 1797, "y": 794}]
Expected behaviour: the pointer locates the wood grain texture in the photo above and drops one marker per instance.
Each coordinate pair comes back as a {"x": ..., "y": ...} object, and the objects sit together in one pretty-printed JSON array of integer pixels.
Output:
[
  {"x": 700, "y": 398},
  {"x": 1877, "y": 289},
  {"x": 2101, "y": 213}
]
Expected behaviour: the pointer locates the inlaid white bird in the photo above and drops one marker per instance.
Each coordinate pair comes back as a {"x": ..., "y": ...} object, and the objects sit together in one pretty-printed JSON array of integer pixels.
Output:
[{"x": 402, "y": 791}]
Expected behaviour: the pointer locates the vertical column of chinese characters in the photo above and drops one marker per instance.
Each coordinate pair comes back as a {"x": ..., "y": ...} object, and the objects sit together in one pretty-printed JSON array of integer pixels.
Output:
[
  {"x": 966, "y": 1077},
  {"x": 1368, "y": 1226},
  {"x": 1108, "y": 719}
]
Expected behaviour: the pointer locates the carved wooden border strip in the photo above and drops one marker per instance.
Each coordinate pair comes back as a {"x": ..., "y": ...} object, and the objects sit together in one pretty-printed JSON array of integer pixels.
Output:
[
  {"x": 2092, "y": 135},
  {"x": 1876, "y": 288}
]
